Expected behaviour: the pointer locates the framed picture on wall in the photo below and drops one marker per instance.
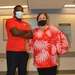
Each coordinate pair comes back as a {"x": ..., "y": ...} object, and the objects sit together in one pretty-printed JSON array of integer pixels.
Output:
[
  {"x": 4, "y": 30},
  {"x": 31, "y": 21},
  {"x": 66, "y": 28}
]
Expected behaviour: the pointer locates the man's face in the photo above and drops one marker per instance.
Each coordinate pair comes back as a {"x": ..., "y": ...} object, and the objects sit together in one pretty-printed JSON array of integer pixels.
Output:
[
  {"x": 18, "y": 9},
  {"x": 18, "y": 12}
]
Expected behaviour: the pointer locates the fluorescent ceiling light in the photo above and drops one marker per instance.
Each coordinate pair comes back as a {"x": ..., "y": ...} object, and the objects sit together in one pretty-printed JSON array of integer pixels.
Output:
[
  {"x": 24, "y": 6},
  {"x": 69, "y": 5}
]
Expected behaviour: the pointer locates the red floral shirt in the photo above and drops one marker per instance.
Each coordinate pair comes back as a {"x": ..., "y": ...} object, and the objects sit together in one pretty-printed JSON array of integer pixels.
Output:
[{"x": 46, "y": 45}]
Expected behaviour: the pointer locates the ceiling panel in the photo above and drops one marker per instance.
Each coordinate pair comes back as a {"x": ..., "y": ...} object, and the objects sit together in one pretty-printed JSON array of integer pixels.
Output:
[
  {"x": 48, "y": 4},
  {"x": 38, "y": 4},
  {"x": 12, "y": 2}
]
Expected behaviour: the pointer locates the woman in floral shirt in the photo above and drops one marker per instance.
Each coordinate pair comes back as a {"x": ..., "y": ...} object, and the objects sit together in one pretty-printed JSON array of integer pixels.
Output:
[{"x": 48, "y": 41}]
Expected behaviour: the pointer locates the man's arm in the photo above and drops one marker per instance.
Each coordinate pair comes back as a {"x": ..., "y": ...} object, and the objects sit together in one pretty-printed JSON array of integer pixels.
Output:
[
  {"x": 28, "y": 35},
  {"x": 16, "y": 32},
  {"x": 21, "y": 33}
]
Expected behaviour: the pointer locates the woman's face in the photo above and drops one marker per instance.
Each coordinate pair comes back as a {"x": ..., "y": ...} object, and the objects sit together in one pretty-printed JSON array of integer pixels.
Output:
[{"x": 42, "y": 17}]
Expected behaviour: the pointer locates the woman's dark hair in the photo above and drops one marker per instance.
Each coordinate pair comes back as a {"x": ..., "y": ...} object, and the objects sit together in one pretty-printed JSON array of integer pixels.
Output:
[{"x": 42, "y": 13}]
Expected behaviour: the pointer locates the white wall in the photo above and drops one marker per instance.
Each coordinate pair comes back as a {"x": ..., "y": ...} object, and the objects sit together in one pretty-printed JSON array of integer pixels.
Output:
[{"x": 66, "y": 63}]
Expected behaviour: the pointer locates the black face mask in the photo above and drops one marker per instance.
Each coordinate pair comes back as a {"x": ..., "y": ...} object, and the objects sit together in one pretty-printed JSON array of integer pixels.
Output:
[{"x": 42, "y": 22}]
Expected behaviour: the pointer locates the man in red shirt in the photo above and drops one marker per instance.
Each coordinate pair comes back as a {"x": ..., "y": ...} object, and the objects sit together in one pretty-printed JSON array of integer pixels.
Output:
[{"x": 17, "y": 31}]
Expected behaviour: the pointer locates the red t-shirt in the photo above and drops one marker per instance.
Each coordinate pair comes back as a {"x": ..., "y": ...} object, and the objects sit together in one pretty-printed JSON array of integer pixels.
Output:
[{"x": 16, "y": 43}]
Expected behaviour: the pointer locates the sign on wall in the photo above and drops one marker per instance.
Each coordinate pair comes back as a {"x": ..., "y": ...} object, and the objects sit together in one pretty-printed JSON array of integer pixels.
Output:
[{"x": 66, "y": 28}]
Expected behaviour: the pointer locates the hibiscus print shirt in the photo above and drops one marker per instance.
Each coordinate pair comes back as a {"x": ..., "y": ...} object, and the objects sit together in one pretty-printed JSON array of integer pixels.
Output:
[{"x": 46, "y": 45}]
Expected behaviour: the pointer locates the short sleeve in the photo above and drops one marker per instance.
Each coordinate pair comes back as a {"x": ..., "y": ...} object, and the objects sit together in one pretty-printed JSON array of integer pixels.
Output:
[
  {"x": 28, "y": 27},
  {"x": 9, "y": 24}
]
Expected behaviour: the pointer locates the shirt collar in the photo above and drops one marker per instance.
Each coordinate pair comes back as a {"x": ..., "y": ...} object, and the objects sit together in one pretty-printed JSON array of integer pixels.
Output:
[{"x": 16, "y": 19}]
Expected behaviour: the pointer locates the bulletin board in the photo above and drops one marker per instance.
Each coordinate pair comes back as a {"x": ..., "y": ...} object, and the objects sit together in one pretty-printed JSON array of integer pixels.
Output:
[{"x": 66, "y": 28}]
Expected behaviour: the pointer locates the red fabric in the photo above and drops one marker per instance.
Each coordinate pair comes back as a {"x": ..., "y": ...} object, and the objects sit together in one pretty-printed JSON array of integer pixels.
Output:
[
  {"x": 16, "y": 43},
  {"x": 46, "y": 45}
]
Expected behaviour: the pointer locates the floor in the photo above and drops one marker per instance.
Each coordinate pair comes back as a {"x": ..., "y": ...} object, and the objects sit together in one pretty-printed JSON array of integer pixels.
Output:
[{"x": 65, "y": 74}]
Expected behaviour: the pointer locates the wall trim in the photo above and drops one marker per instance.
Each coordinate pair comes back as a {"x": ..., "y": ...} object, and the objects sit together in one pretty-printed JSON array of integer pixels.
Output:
[{"x": 68, "y": 54}]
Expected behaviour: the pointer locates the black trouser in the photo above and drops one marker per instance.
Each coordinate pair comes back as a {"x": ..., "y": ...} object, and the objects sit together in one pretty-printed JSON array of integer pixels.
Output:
[
  {"x": 47, "y": 71},
  {"x": 16, "y": 59}
]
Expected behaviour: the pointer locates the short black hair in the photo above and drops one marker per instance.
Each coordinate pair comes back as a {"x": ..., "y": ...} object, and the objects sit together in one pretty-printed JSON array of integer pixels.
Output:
[{"x": 17, "y": 7}]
